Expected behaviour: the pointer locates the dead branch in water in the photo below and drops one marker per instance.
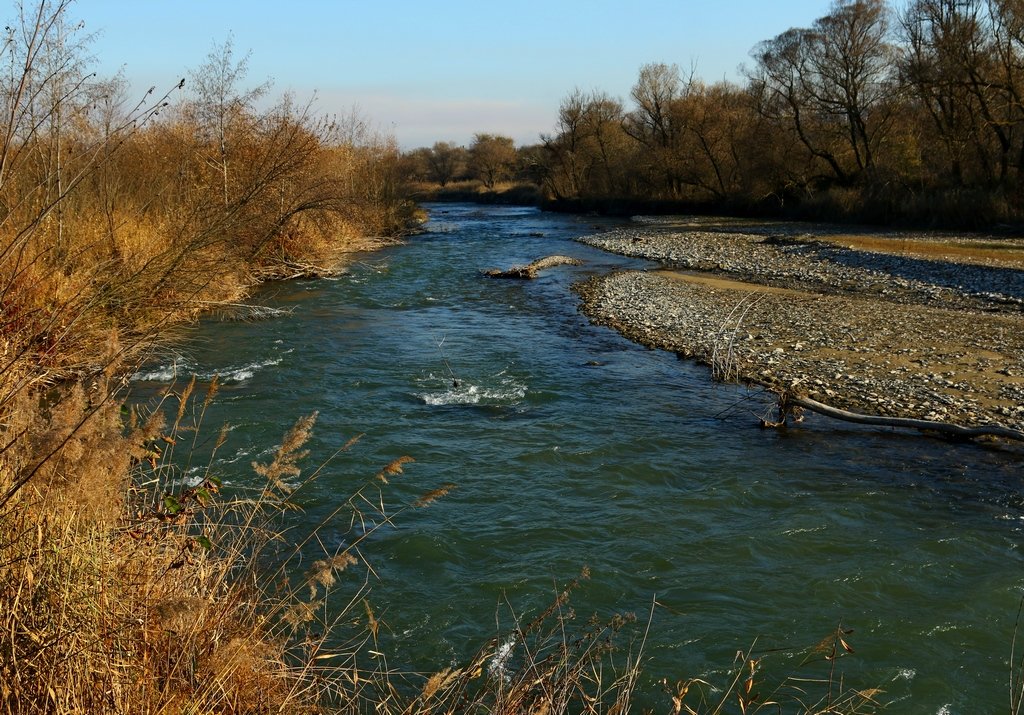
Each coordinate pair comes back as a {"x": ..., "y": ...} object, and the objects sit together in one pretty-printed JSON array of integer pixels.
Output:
[
  {"x": 530, "y": 271},
  {"x": 788, "y": 403}
]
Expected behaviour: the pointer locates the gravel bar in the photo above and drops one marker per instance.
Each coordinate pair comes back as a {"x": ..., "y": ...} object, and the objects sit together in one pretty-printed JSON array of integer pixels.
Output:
[{"x": 872, "y": 332}]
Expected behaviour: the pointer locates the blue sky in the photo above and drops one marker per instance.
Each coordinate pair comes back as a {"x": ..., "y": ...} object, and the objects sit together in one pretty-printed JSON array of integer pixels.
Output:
[{"x": 437, "y": 71}]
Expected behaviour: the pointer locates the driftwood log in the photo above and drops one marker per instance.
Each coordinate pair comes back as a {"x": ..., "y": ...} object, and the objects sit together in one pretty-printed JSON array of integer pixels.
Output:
[
  {"x": 787, "y": 403},
  {"x": 530, "y": 271}
]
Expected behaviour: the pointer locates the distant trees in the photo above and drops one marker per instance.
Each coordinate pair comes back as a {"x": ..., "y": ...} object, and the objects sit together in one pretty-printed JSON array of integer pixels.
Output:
[
  {"x": 441, "y": 163},
  {"x": 445, "y": 161},
  {"x": 864, "y": 112},
  {"x": 585, "y": 155},
  {"x": 492, "y": 158}
]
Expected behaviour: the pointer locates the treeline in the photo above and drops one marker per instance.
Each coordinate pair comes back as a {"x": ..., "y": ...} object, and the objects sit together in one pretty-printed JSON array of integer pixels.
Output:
[
  {"x": 118, "y": 219},
  {"x": 489, "y": 159},
  {"x": 490, "y": 169},
  {"x": 873, "y": 112}
]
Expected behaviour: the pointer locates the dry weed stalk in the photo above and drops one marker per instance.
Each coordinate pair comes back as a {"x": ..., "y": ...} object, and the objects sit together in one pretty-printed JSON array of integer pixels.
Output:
[
  {"x": 723, "y": 350},
  {"x": 1016, "y": 680},
  {"x": 749, "y": 691},
  {"x": 547, "y": 665}
]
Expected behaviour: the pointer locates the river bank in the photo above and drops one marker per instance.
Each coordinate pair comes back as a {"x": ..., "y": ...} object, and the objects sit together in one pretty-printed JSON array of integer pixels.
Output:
[{"x": 903, "y": 326}]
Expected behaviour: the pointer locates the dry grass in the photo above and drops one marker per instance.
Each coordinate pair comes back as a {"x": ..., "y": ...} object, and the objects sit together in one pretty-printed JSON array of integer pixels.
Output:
[
  {"x": 127, "y": 587},
  {"x": 1005, "y": 252},
  {"x": 113, "y": 597},
  {"x": 123, "y": 589}
]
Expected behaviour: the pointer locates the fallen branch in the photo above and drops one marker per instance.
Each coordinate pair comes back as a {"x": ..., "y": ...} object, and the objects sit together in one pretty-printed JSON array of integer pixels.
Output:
[
  {"x": 787, "y": 402},
  {"x": 290, "y": 270},
  {"x": 530, "y": 271}
]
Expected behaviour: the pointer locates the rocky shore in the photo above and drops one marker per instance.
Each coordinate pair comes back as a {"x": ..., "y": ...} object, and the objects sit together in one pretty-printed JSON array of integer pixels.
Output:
[{"x": 908, "y": 329}]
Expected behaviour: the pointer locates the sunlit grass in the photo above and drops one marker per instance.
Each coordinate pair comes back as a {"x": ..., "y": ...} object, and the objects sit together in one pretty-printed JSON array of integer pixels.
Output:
[{"x": 1008, "y": 252}]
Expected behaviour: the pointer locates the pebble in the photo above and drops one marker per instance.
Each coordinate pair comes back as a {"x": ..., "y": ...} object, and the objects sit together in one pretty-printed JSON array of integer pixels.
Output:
[{"x": 870, "y": 332}]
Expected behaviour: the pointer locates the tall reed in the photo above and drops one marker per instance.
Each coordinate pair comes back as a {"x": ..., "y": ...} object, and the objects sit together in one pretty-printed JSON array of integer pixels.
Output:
[{"x": 121, "y": 590}]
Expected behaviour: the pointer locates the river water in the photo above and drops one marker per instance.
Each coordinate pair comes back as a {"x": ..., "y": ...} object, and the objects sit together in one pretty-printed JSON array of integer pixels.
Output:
[{"x": 570, "y": 447}]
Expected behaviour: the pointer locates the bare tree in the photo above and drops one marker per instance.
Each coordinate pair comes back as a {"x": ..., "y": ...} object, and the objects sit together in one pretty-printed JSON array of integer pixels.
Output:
[
  {"x": 656, "y": 89},
  {"x": 937, "y": 33},
  {"x": 964, "y": 60},
  {"x": 221, "y": 103},
  {"x": 566, "y": 150},
  {"x": 602, "y": 118},
  {"x": 853, "y": 76},
  {"x": 832, "y": 84},
  {"x": 1008, "y": 43},
  {"x": 443, "y": 160},
  {"x": 713, "y": 119},
  {"x": 653, "y": 123},
  {"x": 491, "y": 157}
]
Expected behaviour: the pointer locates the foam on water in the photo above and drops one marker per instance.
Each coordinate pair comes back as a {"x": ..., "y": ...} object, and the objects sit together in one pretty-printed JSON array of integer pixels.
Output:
[
  {"x": 505, "y": 390},
  {"x": 243, "y": 373},
  {"x": 497, "y": 668},
  {"x": 194, "y": 477},
  {"x": 240, "y": 454},
  {"x": 811, "y": 530},
  {"x": 182, "y": 369},
  {"x": 164, "y": 373},
  {"x": 905, "y": 674}
]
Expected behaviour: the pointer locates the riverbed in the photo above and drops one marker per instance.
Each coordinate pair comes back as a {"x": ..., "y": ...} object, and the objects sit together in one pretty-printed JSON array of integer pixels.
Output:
[{"x": 569, "y": 446}]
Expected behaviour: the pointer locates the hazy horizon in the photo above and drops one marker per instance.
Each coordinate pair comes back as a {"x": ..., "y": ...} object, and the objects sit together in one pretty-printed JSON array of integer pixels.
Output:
[{"x": 426, "y": 74}]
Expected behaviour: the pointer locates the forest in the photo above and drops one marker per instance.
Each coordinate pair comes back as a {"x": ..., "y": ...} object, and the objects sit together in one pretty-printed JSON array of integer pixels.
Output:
[{"x": 875, "y": 112}]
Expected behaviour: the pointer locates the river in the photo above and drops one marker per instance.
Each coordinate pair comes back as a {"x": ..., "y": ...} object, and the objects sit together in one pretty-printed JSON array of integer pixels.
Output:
[{"x": 569, "y": 446}]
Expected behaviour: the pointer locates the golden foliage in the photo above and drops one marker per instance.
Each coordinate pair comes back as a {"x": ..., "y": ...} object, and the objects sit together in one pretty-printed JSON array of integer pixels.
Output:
[{"x": 114, "y": 226}]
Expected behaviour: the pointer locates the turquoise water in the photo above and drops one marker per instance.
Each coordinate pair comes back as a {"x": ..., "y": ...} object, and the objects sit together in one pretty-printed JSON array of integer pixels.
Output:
[{"x": 570, "y": 446}]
